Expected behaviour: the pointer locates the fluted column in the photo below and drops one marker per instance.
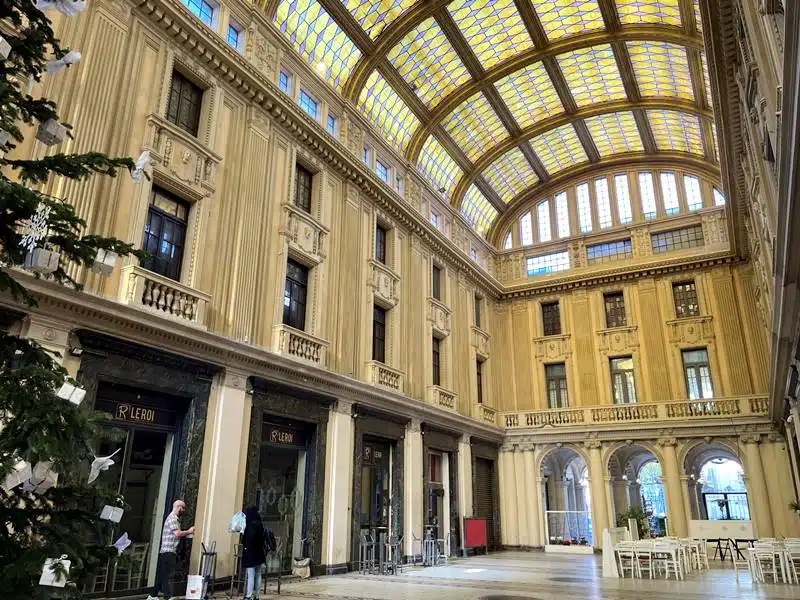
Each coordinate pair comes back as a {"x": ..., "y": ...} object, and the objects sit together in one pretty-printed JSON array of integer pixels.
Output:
[
  {"x": 522, "y": 503},
  {"x": 756, "y": 486},
  {"x": 671, "y": 480},
  {"x": 413, "y": 496},
  {"x": 533, "y": 493},
  {"x": 338, "y": 487},
  {"x": 596, "y": 480},
  {"x": 508, "y": 495}
]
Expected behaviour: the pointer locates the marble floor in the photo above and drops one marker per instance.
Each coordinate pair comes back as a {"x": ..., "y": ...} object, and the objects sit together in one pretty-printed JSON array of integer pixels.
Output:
[{"x": 530, "y": 576}]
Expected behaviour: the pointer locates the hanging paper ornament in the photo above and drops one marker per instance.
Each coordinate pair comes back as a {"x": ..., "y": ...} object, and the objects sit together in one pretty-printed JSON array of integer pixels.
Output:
[
  {"x": 104, "y": 262},
  {"x": 139, "y": 167},
  {"x": 40, "y": 260},
  {"x": 101, "y": 463},
  {"x": 35, "y": 229},
  {"x": 51, "y": 132},
  {"x": 17, "y": 476},
  {"x": 74, "y": 394},
  {"x": 122, "y": 543},
  {"x": 5, "y": 48},
  {"x": 69, "y": 8},
  {"x": 42, "y": 478},
  {"x": 70, "y": 58},
  {"x": 4, "y": 138},
  {"x": 111, "y": 513},
  {"x": 50, "y": 576}
]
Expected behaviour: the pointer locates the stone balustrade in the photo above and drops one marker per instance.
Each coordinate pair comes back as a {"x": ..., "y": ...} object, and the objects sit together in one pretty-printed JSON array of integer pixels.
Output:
[
  {"x": 438, "y": 396},
  {"x": 439, "y": 316},
  {"x": 299, "y": 344},
  {"x": 152, "y": 292},
  {"x": 384, "y": 376},
  {"x": 485, "y": 414},
  {"x": 655, "y": 412},
  {"x": 385, "y": 285}
]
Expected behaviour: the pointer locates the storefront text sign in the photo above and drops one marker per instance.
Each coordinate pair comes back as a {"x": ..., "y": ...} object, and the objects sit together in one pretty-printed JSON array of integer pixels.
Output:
[
  {"x": 133, "y": 413},
  {"x": 284, "y": 436},
  {"x": 139, "y": 414}
]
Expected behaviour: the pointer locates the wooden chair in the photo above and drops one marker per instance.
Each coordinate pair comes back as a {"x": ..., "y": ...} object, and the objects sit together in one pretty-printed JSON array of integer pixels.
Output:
[{"x": 626, "y": 556}]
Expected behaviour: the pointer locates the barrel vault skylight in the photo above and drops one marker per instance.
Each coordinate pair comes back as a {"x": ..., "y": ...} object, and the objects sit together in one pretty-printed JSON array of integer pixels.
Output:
[{"x": 493, "y": 99}]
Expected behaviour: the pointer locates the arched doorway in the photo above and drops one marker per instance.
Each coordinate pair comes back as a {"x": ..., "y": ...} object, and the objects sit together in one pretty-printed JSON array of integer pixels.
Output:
[
  {"x": 717, "y": 490},
  {"x": 566, "y": 499},
  {"x": 637, "y": 489}
]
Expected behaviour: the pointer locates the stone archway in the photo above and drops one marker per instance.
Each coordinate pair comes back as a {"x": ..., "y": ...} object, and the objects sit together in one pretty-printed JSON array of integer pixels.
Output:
[
  {"x": 635, "y": 477},
  {"x": 566, "y": 500},
  {"x": 715, "y": 493}
]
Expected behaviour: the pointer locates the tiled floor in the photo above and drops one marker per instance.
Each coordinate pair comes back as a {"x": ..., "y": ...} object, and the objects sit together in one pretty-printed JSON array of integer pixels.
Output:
[{"x": 531, "y": 576}]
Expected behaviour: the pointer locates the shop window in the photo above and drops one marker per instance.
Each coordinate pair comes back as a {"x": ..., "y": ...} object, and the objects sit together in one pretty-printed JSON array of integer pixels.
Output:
[
  {"x": 685, "y": 295},
  {"x": 165, "y": 234},
  {"x": 294, "y": 295},
  {"x": 380, "y": 244},
  {"x": 615, "y": 310},
  {"x": 436, "y": 361},
  {"x": 622, "y": 383},
  {"x": 556, "y": 382},
  {"x": 302, "y": 191},
  {"x": 551, "y": 318},
  {"x": 698, "y": 374},
  {"x": 183, "y": 106},
  {"x": 378, "y": 334}
]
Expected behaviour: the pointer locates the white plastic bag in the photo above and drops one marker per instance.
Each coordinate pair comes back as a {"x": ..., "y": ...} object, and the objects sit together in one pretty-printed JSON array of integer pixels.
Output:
[
  {"x": 194, "y": 587},
  {"x": 50, "y": 577},
  {"x": 237, "y": 523}
]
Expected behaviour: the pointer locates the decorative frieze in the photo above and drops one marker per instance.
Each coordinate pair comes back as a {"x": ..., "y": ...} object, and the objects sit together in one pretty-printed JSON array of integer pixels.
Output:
[
  {"x": 618, "y": 339},
  {"x": 690, "y": 331},
  {"x": 299, "y": 344},
  {"x": 480, "y": 341},
  {"x": 439, "y": 317},
  {"x": 385, "y": 285},
  {"x": 261, "y": 53},
  {"x": 163, "y": 296},
  {"x": 306, "y": 236},
  {"x": 715, "y": 229},
  {"x": 552, "y": 348}
]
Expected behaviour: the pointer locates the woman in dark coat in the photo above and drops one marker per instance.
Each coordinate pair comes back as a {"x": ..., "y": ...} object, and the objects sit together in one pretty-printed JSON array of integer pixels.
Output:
[{"x": 253, "y": 551}]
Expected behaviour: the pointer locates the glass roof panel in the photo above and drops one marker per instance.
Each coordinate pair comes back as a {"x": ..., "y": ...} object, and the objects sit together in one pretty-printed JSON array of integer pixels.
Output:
[
  {"x": 493, "y": 29},
  {"x": 706, "y": 80},
  {"x": 675, "y": 130},
  {"x": 478, "y": 210},
  {"x": 387, "y": 112},
  {"x": 375, "y": 15},
  {"x": 559, "y": 148},
  {"x": 428, "y": 62},
  {"x": 698, "y": 19},
  {"x": 592, "y": 75},
  {"x": 563, "y": 18},
  {"x": 615, "y": 133},
  {"x": 438, "y": 166},
  {"x": 510, "y": 174},
  {"x": 662, "y": 12},
  {"x": 716, "y": 143},
  {"x": 318, "y": 39},
  {"x": 661, "y": 69},
  {"x": 474, "y": 126},
  {"x": 529, "y": 95}
]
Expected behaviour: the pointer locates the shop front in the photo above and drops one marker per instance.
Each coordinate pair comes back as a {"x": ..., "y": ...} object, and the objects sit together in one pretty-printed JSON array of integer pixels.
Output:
[
  {"x": 440, "y": 452},
  {"x": 485, "y": 490},
  {"x": 285, "y": 475}
]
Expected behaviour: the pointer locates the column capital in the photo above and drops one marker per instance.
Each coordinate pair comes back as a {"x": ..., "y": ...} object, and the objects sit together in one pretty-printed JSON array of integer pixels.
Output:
[
  {"x": 235, "y": 379},
  {"x": 342, "y": 406},
  {"x": 414, "y": 426},
  {"x": 465, "y": 438},
  {"x": 592, "y": 444},
  {"x": 750, "y": 438},
  {"x": 668, "y": 442},
  {"x": 774, "y": 437}
]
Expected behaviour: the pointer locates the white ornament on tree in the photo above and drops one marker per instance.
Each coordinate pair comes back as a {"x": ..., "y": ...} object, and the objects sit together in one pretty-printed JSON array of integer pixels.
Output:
[
  {"x": 51, "y": 132},
  {"x": 111, "y": 513},
  {"x": 17, "y": 476},
  {"x": 40, "y": 260},
  {"x": 42, "y": 478},
  {"x": 5, "y": 48},
  {"x": 72, "y": 393},
  {"x": 34, "y": 229},
  {"x": 70, "y": 58},
  {"x": 122, "y": 543},
  {"x": 4, "y": 138},
  {"x": 69, "y": 8},
  {"x": 104, "y": 262},
  {"x": 139, "y": 167},
  {"x": 49, "y": 575},
  {"x": 101, "y": 463}
]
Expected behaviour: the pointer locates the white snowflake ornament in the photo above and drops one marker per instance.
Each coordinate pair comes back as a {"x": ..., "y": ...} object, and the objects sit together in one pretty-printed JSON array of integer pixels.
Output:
[
  {"x": 34, "y": 229},
  {"x": 69, "y": 8},
  {"x": 70, "y": 58}
]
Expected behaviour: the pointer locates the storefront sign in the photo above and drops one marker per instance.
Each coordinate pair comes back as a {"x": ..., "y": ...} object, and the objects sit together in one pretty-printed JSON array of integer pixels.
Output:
[
  {"x": 283, "y": 436},
  {"x": 375, "y": 455},
  {"x": 132, "y": 413}
]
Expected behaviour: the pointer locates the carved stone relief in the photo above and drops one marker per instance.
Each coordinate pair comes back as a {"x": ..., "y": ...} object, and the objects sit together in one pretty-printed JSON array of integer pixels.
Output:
[
  {"x": 260, "y": 52},
  {"x": 552, "y": 348},
  {"x": 620, "y": 339},
  {"x": 691, "y": 331}
]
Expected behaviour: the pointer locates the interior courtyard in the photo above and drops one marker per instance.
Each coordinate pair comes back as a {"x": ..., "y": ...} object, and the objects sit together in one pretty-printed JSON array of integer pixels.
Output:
[{"x": 472, "y": 299}]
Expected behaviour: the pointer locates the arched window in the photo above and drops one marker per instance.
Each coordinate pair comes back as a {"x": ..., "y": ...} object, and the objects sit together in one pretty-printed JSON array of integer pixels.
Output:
[
  {"x": 526, "y": 229},
  {"x": 670, "y": 191},
  {"x": 651, "y": 488},
  {"x": 623, "y": 198},
  {"x": 647, "y": 195},
  {"x": 543, "y": 221},
  {"x": 719, "y": 198},
  {"x": 694, "y": 198},
  {"x": 584, "y": 207},
  {"x": 562, "y": 215},
  {"x": 603, "y": 202},
  {"x": 507, "y": 242},
  {"x": 723, "y": 490}
]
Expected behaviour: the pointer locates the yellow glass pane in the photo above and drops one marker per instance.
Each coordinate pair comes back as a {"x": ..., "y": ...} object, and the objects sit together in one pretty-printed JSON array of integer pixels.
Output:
[
  {"x": 475, "y": 127},
  {"x": 698, "y": 19},
  {"x": 428, "y": 63},
  {"x": 318, "y": 39},
  {"x": 662, "y": 12},
  {"x": 676, "y": 131},
  {"x": 478, "y": 210},
  {"x": 510, "y": 174},
  {"x": 438, "y": 166},
  {"x": 592, "y": 75},
  {"x": 615, "y": 133},
  {"x": 716, "y": 142},
  {"x": 563, "y": 18},
  {"x": 387, "y": 112},
  {"x": 529, "y": 95},
  {"x": 493, "y": 29},
  {"x": 375, "y": 15},
  {"x": 706, "y": 80},
  {"x": 559, "y": 149},
  {"x": 661, "y": 69}
]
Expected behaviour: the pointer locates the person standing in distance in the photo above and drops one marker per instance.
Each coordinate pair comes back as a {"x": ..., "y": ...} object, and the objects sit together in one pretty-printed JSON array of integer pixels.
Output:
[
  {"x": 253, "y": 555},
  {"x": 171, "y": 535}
]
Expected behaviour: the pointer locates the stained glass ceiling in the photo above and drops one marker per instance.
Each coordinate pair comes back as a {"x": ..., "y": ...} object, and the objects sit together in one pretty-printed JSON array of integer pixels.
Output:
[{"x": 492, "y": 99}]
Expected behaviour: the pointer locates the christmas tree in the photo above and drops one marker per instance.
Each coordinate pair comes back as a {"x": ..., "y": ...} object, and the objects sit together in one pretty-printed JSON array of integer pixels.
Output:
[{"x": 48, "y": 507}]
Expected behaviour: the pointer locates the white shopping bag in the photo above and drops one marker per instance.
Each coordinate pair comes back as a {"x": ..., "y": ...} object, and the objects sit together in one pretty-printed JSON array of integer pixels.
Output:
[
  {"x": 112, "y": 513},
  {"x": 194, "y": 587},
  {"x": 50, "y": 577}
]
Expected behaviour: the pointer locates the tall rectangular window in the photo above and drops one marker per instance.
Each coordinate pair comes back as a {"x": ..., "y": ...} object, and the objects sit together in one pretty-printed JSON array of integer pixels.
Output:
[
  {"x": 367, "y": 155},
  {"x": 615, "y": 310},
  {"x": 382, "y": 171},
  {"x": 698, "y": 374},
  {"x": 234, "y": 37},
  {"x": 562, "y": 215},
  {"x": 543, "y": 221},
  {"x": 478, "y": 315},
  {"x": 302, "y": 190},
  {"x": 308, "y": 104},
  {"x": 331, "y": 126},
  {"x": 434, "y": 219},
  {"x": 719, "y": 198},
  {"x": 380, "y": 244},
  {"x": 584, "y": 207},
  {"x": 623, "y": 198},
  {"x": 479, "y": 373},
  {"x": 165, "y": 234},
  {"x": 556, "y": 382},
  {"x": 378, "y": 334},
  {"x": 685, "y": 295},
  {"x": 398, "y": 184},
  {"x": 285, "y": 82},
  {"x": 435, "y": 364},
  {"x": 603, "y": 202},
  {"x": 622, "y": 383},
  {"x": 669, "y": 190},
  {"x": 294, "y": 295},
  {"x": 648, "y": 195},
  {"x": 436, "y": 283},
  {"x": 202, "y": 10},
  {"x": 183, "y": 106},
  {"x": 694, "y": 198},
  {"x": 551, "y": 318},
  {"x": 526, "y": 229}
]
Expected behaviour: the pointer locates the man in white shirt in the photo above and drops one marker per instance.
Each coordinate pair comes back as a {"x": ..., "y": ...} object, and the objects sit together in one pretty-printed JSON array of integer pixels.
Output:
[{"x": 171, "y": 535}]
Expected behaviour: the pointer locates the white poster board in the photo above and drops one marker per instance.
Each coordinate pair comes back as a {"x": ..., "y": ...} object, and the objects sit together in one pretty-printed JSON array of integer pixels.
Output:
[{"x": 715, "y": 530}]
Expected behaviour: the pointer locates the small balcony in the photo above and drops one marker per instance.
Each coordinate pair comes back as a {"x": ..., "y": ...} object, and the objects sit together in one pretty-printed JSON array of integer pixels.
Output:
[
  {"x": 485, "y": 414},
  {"x": 385, "y": 285},
  {"x": 439, "y": 316},
  {"x": 480, "y": 341},
  {"x": 300, "y": 345},
  {"x": 305, "y": 234},
  {"x": 384, "y": 376},
  {"x": 438, "y": 396},
  {"x": 163, "y": 296}
]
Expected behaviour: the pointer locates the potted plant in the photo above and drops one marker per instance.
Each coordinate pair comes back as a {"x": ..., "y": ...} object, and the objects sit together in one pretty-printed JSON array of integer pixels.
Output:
[{"x": 635, "y": 512}]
